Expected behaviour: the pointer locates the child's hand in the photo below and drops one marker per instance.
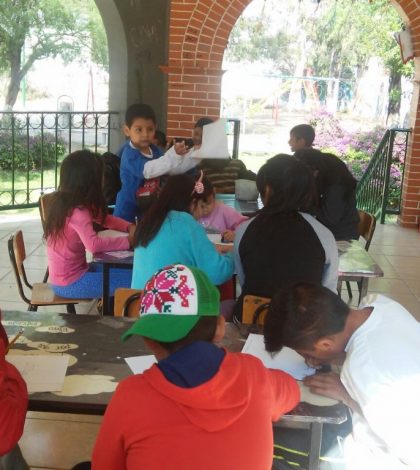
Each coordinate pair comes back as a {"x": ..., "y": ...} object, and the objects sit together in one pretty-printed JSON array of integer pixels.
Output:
[
  {"x": 329, "y": 385},
  {"x": 131, "y": 231},
  {"x": 223, "y": 249},
  {"x": 228, "y": 236},
  {"x": 180, "y": 147}
]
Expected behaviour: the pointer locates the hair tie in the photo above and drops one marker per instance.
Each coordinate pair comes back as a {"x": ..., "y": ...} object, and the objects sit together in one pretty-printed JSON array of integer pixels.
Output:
[{"x": 199, "y": 186}]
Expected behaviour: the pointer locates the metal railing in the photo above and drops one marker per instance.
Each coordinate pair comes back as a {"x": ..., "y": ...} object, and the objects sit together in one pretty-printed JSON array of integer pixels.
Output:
[
  {"x": 33, "y": 144},
  {"x": 379, "y": 190}
]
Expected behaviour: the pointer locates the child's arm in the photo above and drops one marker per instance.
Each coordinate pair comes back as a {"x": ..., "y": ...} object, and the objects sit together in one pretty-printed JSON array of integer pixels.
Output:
[
  {"x": 81, "y": 222},
  {"x": 172, "y": 163}
]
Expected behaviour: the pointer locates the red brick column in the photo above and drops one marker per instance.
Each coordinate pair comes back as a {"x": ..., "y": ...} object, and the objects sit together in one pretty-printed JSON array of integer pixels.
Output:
[{"x": 198, "y": 34}]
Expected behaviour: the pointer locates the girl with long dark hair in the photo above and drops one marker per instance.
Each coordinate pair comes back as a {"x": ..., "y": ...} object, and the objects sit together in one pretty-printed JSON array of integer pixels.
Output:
[
  {"x": 283, "y": 244},
  {"x": 169, "y": 233},
  {"x": 74, "y": 207}
]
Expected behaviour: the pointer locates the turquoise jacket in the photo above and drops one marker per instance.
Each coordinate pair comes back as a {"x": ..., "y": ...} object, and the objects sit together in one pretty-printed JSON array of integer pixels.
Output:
[{"x": 181, "y": 239}]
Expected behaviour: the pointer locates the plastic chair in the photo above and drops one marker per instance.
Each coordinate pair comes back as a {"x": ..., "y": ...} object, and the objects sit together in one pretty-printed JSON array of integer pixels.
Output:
[
  {"x": 366, "y": 229},
  {"x": 127, "y": 302},
  {"x": 41, "y": 293},
  {"x": 254, "y": 309}
]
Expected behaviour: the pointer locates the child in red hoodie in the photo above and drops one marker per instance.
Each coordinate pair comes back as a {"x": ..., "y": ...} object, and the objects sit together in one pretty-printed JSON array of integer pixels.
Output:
[
  {"x": 13, "y": 406},
  {"x": 200, "y": 406}
]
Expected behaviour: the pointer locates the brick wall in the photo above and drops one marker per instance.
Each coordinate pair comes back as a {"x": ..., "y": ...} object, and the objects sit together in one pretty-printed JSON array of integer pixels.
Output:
[{"x": 198, "y": 34}]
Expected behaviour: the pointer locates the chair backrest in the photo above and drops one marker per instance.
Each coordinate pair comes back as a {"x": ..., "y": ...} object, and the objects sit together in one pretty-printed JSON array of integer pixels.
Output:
[
  {"x": 254, "y": 309},
  {"x": 43, "y": 204},
  {"x": 17, "y": 256},
  {"x": 127, "y": 302},
  {"x": 366, "y": 227}
]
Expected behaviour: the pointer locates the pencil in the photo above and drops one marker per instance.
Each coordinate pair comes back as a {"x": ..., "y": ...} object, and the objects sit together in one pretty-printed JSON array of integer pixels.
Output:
[{"x": 14, "y": 340}]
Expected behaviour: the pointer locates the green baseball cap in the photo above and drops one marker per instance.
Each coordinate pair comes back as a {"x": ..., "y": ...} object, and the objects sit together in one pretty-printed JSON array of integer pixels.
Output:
[{"x": 173, "y": 301}]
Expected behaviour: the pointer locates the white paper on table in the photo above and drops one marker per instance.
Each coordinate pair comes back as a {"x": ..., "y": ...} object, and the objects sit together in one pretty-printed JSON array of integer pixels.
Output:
[
  {"x": 43, "y": 373},
  {"x": 121, "y": 254},
  {"x": 138, "y": 364},
  {"x": 214, "y": 143},
  {"x": 111, "y": 233},
  {"x": 215, "y": 237},
  {"x": 287, "y": 359}
]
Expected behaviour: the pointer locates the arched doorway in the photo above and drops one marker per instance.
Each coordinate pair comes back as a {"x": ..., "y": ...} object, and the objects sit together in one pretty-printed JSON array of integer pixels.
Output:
[{"x": 198, "y": 38}]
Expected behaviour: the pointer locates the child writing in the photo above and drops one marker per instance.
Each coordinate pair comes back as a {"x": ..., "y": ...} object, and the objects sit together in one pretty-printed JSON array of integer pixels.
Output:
[
  {"x": 142, "y": 165},
  {"x": 74, "y": 207},
  {"x": 380, "y": 376},
  {"x": 206, "y": 407},
  {"x": 219, "y": 216},
  {"x": 169, "y": 233}
]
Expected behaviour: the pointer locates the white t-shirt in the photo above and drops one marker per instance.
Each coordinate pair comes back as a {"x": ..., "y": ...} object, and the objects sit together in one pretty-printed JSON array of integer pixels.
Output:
[{"x": 382, "y": 374}]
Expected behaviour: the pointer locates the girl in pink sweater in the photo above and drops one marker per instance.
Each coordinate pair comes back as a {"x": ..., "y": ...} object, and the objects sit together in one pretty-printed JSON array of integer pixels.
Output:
[{"x": 69, "y": 232}]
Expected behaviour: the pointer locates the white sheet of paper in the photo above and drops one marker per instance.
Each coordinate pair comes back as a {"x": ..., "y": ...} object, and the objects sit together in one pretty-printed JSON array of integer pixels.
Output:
[
  {"x": 111, "y": 233},
  {"x": 215, "y": 142},
  {"x": 43, "y": 373},
  {"x": 215, "y": 237},
  {"x": 138, "y": 364},
  {"x": 287, "y": 359},
  {"x": 121, "y": 254}
]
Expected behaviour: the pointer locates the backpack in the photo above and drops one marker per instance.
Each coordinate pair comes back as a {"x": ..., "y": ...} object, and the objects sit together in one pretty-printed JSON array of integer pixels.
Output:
[{"x": 112, "y": 180}]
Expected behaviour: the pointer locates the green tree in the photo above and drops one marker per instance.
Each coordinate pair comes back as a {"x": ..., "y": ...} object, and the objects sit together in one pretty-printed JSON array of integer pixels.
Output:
[{"x": 32, "y": 30}]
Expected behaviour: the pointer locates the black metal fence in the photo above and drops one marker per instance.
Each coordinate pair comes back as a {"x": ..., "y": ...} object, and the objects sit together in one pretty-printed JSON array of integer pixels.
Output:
[{"x": 380, "y": 188}]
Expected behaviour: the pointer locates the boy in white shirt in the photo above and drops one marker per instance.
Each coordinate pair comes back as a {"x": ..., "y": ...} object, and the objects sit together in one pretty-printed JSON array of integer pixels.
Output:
[{"x": 380, "y": 376}]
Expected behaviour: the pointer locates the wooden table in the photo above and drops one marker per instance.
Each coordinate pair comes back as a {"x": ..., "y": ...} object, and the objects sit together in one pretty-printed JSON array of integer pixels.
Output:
[
  {"x": 108, "y": 261},
  {"x": 100, "y": 351},
  {"x": 356, "y": 264}
]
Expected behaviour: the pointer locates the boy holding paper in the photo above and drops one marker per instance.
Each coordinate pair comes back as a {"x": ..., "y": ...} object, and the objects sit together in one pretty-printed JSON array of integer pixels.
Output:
[
  {"x": 200, "y": 406},
  {"x": 380, "y": 376}
]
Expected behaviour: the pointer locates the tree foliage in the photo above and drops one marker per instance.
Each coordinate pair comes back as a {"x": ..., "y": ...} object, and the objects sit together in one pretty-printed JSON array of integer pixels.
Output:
[{"x": 32, "y": 30}]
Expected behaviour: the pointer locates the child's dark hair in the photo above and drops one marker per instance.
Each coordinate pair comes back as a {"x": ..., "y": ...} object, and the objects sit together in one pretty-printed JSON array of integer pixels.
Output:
[
  {"x": 203, "y": 122},
  {"x": 176, "y": 195},
  {"x": 291, "y": 185},
  {"x": 160, "y": 138},
  {"x": 81, "y": 180},
  {"x": 305, "y": 132},
  {"x": 300, "y": 315},
  {"x": 139, "y": 110},
  {"x": 204, "y": 330}
]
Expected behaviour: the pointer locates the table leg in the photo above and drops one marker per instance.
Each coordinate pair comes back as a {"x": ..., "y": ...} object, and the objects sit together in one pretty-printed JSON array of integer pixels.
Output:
[
  {"x": 363, "y": 288},
  {"x": 315, "y": 449},
  {"x": 105, "y": 290}
]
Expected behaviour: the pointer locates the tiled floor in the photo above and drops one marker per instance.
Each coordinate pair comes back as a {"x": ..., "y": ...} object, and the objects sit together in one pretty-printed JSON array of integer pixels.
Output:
[{"x": 57, "y": 441}]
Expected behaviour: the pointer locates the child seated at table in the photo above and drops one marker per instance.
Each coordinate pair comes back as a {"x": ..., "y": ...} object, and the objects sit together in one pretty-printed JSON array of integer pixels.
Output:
[
  {"x": 143, "y": 163},
  {"x": 169, "y": 232},
  {"x": 218, "y": 216},
  {"x": 69, "y": 231},
  {"x": 222, "y": 173},
  {"x": 201, "y": 406},
  {"x": 380, "y": 376}
]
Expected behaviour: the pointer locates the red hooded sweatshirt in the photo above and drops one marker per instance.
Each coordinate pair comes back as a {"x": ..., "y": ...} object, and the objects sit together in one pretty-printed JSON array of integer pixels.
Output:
[
  {"x": 224, "y": 423},
  {"x": 13, "y": 400}
]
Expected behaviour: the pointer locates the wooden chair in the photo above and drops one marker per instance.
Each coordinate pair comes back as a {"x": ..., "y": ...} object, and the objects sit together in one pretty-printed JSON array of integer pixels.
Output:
[
  {"x": 41, "y": 293},
  {"x": 254, "y": 309},
  {"x": 127, "y": 302},
  {"x": 366, "y": 229}
]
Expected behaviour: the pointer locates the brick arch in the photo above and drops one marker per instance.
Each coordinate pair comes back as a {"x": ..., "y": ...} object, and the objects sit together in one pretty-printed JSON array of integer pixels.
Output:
[{"x": 198, "y": 34}]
